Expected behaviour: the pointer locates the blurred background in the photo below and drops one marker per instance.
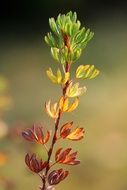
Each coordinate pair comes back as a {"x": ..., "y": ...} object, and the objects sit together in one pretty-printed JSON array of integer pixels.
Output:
[{"x": 24, "y": 88}]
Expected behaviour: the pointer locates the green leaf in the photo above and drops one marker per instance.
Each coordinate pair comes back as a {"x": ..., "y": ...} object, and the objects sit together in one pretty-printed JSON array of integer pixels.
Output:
[
  {"x": 67, "y": 39},
  {"x": 80, "y": 35},
  {"x": 50, "y": 40},
  {"x": 55, "y": 53},
  {"x": 53, "y": 26},
  {"x": 76, "y": 55}
]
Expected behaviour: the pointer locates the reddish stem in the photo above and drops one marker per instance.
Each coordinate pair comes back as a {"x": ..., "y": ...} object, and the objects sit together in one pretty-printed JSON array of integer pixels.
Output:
[
  {"x": 67, "y": 69},
  {"x": 51, "y": 149}
]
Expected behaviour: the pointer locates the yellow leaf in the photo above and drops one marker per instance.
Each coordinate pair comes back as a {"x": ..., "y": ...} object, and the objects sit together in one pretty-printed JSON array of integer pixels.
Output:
[
  {"x": 76, "y": 135},
  {"x": 80, "y": 70},
  {"x": 52, "y": 110},
  {"x": 74, "y": 90},
  {"x": 51, "y": 76},
  {"x": 66, "y": 78},
  {"x": 73, "y": 105},
  {"x": 63, "y": 104},
  {"x": 86, "y": 72},
  {"x": 59, "y": 76}
]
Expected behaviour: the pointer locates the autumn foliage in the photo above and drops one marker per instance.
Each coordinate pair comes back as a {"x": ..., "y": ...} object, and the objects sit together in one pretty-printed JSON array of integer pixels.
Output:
[{"x": 67, "y": 40}]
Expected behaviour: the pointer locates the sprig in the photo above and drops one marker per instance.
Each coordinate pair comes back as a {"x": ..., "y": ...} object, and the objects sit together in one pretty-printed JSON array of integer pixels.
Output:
[{"x": 67, "y": 40}]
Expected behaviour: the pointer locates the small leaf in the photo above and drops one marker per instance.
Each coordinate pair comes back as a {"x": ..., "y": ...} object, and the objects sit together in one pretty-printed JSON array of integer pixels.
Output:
[
  {"x": 74, "y": 105},
  {"x": 86, "y": 72},
  {"x": 66, "y": 78},
  {"x": 74, "y": 90},
  {"x": 66, "y": 129},
  {"x": 55, "y": 53},
  {"x": 64, "y": 157},
  {"x": 56, "y": 176},
  {"x": 59, "y": 76},
  {"x": 35, "y": 134},
  {"x": 34, "y": 164},
  {"x": 51, "y": 76},
  {"x": 52, "y": 110},
  {"x": 50, "y": 40},
  {"x": 76, "y": 135},
  {"x": 76, "y": 55},
  {"x": 63, "y": 104},
  {"x": 53, "y": 26}
]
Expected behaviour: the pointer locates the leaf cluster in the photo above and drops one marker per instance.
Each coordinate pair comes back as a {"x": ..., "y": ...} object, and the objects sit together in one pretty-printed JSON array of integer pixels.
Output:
[{"x": 66, "y": 31}]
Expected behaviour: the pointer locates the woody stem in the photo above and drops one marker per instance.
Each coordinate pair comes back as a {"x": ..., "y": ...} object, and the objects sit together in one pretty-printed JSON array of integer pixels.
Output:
[
  {"x": 51, "y": 149},
  {"x": 67, "y": 69}
]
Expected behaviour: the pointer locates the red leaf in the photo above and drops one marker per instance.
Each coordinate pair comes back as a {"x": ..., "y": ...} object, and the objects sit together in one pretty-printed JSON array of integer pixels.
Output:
[
  {"x": 77, "y": 134},
  {"x": 66, "y": 129},
  {"x": 64, "y": 157},
  {"x": 35, "y": 134},
  {"x": 56, "y": 176},
  {"x": 34, "y": 164}
]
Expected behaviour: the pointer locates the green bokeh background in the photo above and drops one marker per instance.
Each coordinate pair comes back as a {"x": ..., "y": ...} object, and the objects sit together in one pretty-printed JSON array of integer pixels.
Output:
[{"x": 24, "y": 59}]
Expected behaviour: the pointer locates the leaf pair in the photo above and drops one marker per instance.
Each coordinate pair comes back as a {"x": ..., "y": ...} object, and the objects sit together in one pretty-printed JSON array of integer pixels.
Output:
[
  {"x": 75, "y": 135},
  {"x": 65, "y": 157},
  {"x": 58, "y": 79},
  {"x": 86, "y": 72},
  {"x": 62, "y": 106}
]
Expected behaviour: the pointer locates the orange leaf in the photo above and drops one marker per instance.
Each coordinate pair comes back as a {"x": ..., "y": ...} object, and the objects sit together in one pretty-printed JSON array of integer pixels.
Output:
[{"x": 77, "y": 134}]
